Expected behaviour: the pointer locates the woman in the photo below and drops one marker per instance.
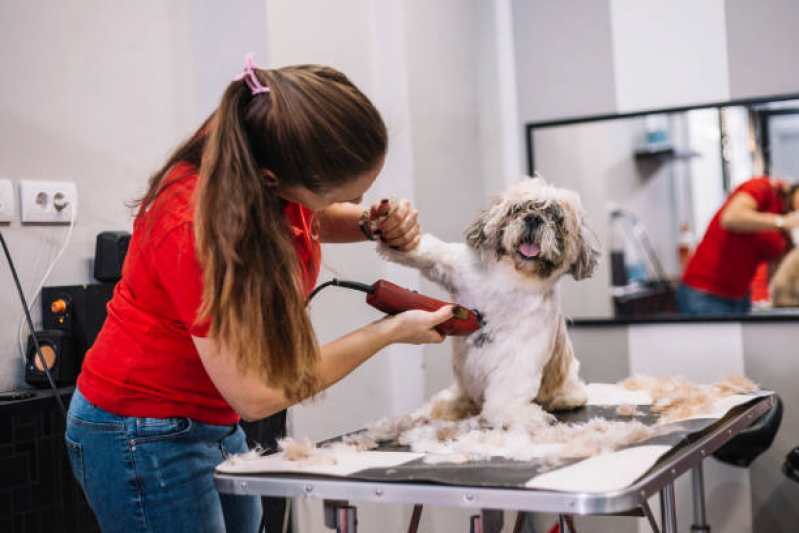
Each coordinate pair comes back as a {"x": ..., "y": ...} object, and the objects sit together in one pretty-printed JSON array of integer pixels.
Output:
[
  {"x": 208, "y": 323},
  {"x": 749, "y": 228}
]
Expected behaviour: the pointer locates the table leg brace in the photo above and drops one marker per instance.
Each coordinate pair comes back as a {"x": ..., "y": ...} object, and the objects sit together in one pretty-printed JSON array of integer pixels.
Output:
[
  {"x": 488, "y": 521},
  {"x": 341, "y": 516}
]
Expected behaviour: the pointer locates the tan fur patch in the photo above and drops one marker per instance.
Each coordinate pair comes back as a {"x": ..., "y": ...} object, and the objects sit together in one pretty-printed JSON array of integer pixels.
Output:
[
  {"x": 556, "y": 369},
  {"x": 453, "y": 411}
]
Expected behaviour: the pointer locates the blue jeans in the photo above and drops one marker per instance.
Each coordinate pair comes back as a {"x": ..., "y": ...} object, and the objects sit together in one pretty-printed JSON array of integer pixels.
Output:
[
  {"x": 691, "y": 301},
  {"x": 155, "y": 474}
]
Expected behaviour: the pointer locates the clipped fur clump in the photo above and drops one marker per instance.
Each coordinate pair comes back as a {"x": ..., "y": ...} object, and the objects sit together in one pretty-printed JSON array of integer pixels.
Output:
[
  {"x": 328, "y": 454},
  {"x": 627, "y": 410},
  {"x": 297, "y": 451},
  {"x": 472, "y": 438},
  {"x": 732, "y": 384},
  {"x": 677, "y": 398}
]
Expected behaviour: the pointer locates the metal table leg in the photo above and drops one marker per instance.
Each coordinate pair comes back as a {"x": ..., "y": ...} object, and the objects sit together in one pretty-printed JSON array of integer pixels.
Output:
[
  {"x": 488, "y": 521},
  {"x": 668, "y": 511},
  {"x": 563, "y": 524},
  {"x": 700, "y": 524},
  {"x": 341, "y": 516},
  {"x": 650, "y": 516},
  {"x": 518, "y": 526},
  {"x": 416, "y": 517}
]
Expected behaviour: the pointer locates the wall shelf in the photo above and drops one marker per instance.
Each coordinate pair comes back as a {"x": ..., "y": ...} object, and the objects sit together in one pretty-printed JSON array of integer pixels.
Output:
[{"x": 661, "y": 152}]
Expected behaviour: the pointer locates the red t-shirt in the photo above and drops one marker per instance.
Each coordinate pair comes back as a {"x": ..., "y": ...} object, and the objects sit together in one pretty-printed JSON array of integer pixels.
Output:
[
  {"x": 725, "y": 261},
  {"x": 144, "y": 362}
]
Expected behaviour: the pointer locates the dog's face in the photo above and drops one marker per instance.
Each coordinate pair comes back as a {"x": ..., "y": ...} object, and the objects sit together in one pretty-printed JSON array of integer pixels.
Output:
[{"x": 539, "y": 228}]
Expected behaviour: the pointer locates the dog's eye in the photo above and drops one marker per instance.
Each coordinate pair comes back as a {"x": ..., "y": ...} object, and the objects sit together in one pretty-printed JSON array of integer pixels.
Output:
[{"x": 555, "y": 214}]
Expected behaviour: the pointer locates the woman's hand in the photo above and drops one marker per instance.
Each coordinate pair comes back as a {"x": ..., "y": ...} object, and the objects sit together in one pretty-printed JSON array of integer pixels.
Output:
[
  {"x": 417, "y": 327},
  {"x": 791, "y": 220},
  {"x": 397, "y": 224}
]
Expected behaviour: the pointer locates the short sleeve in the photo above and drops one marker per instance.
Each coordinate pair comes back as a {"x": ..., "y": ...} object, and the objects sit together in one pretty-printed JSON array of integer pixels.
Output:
[
  {"x": 760, "y": 189},
  {"x": 176, "y": 267}
]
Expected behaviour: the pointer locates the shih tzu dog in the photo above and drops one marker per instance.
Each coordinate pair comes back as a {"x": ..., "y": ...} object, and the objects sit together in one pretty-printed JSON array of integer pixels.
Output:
[
  {"x": 785, "y": 282},
  {"x": 520, "y": 361}
]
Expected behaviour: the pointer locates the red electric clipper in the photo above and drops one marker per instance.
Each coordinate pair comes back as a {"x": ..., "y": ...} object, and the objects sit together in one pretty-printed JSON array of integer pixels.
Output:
[{"x": 392, "y": 299}]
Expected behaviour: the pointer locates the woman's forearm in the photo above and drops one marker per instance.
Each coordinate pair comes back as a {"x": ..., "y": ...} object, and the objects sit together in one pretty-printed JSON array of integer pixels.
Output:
[
  {"x": 749, "y": 221},
  {"x": 742, "y": 215},
  {"x": 252, "y": 399},
  {"x": 345, "y": 354},
  {"x": 339, "y": 223}
]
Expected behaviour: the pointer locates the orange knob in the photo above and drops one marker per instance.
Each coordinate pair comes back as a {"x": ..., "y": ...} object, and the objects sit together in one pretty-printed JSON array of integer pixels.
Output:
[{"x": 58, "y": 307}]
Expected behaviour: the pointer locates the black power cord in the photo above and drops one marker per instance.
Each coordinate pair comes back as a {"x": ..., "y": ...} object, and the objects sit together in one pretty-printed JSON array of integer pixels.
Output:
[
  {"x": 30, "y": 326},
  {"x": 342, "y": 283}
]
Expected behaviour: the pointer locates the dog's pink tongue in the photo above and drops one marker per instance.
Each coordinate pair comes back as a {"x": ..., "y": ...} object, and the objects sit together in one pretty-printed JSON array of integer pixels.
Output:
[{"x": 529, "y": 250}]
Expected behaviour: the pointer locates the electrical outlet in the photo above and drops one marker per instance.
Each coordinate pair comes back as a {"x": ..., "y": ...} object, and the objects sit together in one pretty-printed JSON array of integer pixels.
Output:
[
  {"x": 6, "y": 201},
  {"x": 47, "y": 202}
]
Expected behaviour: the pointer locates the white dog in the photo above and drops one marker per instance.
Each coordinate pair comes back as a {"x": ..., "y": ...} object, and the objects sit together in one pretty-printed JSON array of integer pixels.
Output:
[{"x": 515, "y": 253}]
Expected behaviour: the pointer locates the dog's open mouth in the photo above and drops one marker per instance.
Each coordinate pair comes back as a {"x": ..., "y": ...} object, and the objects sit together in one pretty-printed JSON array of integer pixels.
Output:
[{"x": 528, "y": 251}]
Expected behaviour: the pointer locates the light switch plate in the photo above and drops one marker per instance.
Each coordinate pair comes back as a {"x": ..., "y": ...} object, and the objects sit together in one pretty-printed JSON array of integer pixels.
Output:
[
  {"x": 6, "y": 201},
  {"x": 47, "y": 202}
]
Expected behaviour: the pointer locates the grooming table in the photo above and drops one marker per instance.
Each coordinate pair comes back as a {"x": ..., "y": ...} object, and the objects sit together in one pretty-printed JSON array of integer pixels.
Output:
[{"x": 502, "y": 484}]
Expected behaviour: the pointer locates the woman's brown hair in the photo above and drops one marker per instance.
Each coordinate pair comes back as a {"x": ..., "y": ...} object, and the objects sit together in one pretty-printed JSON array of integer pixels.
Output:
[{"x": 313, "y": 129}]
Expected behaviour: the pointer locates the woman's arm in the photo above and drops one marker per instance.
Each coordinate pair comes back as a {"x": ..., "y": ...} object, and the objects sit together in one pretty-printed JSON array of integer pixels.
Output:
[
  {"x": 399, "y": 228},
  {"x": 253, "y": 400},
  {"x": 741, "y": 215},
  {"x": 339, "y": 223}
]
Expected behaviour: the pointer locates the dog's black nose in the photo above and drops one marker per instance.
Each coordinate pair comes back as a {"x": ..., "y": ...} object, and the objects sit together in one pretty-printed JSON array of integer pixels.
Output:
[{"x": 532, "y": 219}]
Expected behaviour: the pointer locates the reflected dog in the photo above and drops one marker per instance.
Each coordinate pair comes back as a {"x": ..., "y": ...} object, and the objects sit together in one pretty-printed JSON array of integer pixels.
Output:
[
  {"x": 785, "y": 283},
  {"x": 520, "y": 361}
]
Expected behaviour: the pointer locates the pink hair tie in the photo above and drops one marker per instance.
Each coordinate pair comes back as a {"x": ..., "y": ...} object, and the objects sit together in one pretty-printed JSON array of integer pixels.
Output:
[{"x": 248, "y": 75}]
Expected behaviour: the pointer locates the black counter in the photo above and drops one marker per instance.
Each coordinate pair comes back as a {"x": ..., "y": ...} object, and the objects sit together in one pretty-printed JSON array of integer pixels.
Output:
[{"x": 771, "y": 315}]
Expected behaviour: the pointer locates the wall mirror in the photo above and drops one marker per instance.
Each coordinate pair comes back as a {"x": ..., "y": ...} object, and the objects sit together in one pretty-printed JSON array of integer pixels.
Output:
[{"x": 652, "y": 182}]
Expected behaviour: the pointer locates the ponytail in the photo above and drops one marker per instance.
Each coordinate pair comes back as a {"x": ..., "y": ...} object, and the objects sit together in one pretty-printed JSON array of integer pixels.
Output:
[
  {"x": 252, "y": 293},
  {"x": 312, "y": 128}
]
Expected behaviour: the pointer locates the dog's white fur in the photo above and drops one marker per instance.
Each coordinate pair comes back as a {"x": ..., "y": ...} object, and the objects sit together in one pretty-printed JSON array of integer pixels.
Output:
[{"x": 521, "y": 359}]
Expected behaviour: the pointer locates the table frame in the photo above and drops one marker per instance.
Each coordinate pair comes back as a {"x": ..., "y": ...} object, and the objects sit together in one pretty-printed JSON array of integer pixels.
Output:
[{"x": 659, "y": 480}]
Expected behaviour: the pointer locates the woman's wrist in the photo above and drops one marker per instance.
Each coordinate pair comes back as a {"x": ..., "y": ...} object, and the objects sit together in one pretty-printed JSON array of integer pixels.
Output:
[
  {"x": 385, "y": 330},
  {"x": 365, "y": 225}
]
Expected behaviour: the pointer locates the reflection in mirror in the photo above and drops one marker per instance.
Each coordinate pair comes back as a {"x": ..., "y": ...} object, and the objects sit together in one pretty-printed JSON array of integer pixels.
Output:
[{"x": 693, "y": 208}]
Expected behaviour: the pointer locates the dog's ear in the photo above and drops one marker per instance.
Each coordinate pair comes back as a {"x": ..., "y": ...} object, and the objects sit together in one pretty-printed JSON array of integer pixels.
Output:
[
  {"x": 587, "y": 253},
  {"x": 475, "y": 235}
]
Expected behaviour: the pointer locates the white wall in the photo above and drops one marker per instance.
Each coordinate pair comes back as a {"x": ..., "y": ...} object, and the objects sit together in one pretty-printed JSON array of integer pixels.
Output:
[
  {"x": 661, "y": 51},
  {"x": 93, "y": 92}
]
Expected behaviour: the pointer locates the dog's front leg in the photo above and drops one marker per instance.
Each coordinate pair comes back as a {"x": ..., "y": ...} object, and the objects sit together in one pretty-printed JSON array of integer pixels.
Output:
[
  {"x": 509, "y": 401},
  {"x": 438, "y": 261}
]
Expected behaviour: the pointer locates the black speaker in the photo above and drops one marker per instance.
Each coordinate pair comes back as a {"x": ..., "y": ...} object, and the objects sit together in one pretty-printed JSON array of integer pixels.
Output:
[
  {"x": 109, "y": 255},
  {"x": 77, "y": 309},
  {"x": 58, "y": 349}
]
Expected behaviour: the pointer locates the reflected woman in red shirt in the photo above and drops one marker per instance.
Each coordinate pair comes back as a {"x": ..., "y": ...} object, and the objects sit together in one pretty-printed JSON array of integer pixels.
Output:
[
  {"x": 750, "y": 228},
  {"x": 208, "y": 324}
]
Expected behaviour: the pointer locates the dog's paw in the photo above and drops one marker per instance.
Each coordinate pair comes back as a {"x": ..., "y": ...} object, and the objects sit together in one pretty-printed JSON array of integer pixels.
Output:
[
  {"x": 529, "y": 417},
  {"x": 571, "y": 396}
]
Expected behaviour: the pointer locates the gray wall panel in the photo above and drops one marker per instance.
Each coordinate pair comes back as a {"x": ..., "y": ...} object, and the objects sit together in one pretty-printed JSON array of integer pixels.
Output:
[
  {"x": 762, "y": 40},
  {"x": 564, "y": 59},
  {"x": 603, "y": 352}
]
